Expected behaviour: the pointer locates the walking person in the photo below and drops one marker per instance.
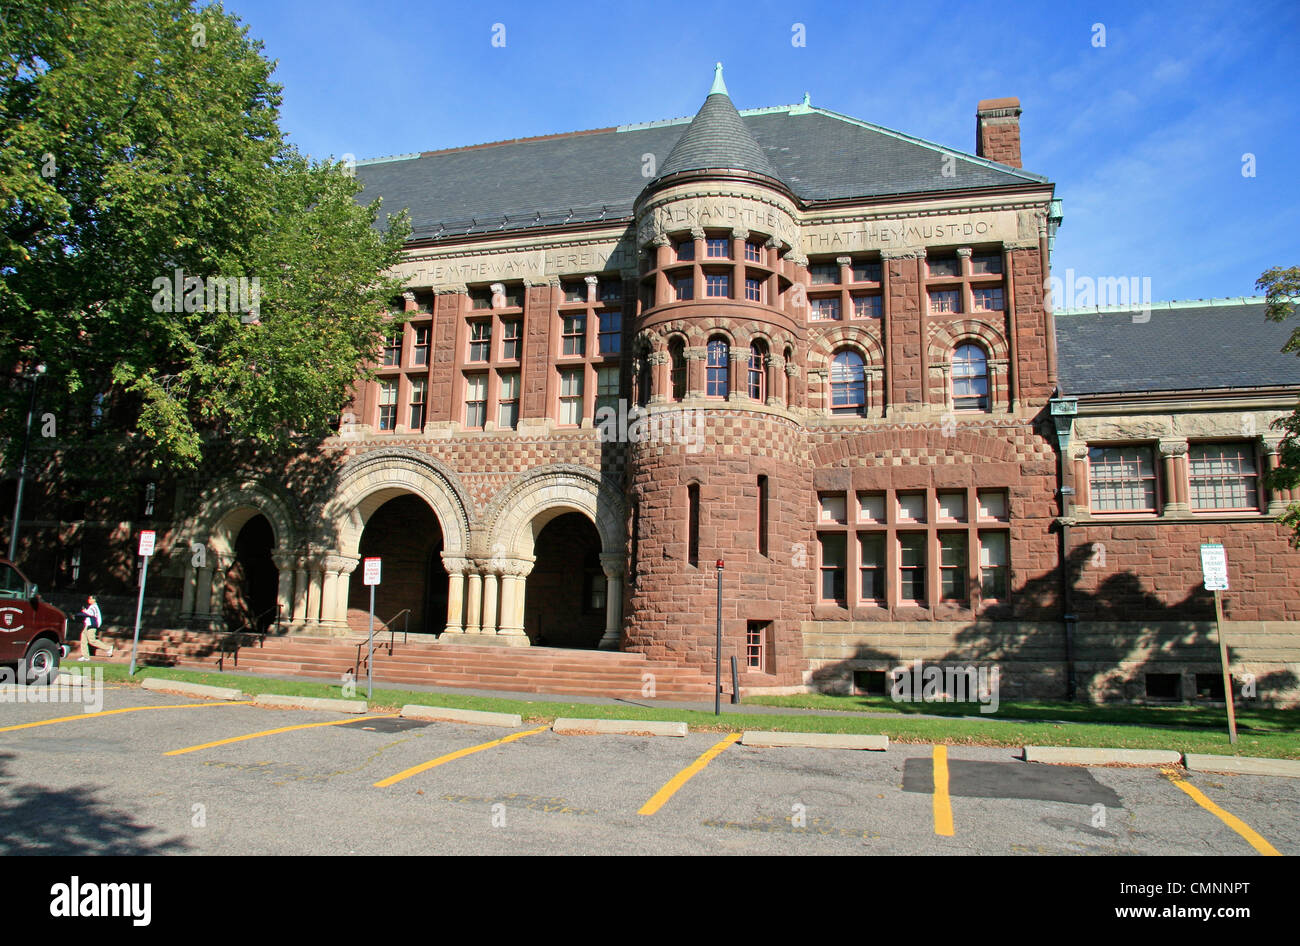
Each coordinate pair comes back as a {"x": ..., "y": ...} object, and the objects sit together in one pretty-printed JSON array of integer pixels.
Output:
[{"x": 91, "y": 619}]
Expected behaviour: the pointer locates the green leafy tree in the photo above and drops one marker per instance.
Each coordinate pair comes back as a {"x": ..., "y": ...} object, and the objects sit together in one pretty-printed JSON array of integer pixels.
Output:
[
  {"x": 1282, "y": 291},
  {"x": 140, "y": 152}
]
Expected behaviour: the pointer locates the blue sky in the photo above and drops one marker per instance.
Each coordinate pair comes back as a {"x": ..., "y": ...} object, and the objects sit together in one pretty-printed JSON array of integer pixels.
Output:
[{"x": 1144, "y": 137}]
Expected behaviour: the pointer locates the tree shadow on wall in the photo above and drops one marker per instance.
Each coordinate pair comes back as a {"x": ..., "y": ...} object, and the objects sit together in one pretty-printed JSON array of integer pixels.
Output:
[
  {"x": 1030, "y": 632},
  {"x": 35, "y": 819}
]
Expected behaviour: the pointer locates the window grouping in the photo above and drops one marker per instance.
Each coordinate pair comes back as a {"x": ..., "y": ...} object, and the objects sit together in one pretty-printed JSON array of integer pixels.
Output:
[
  {"x": 913, "y": 548},
  {"x": 492, "y": 355},
  {"x": 712, "y": 268},
  {"x": 403, "y": 385},
  {"x": 1219, "y": 477},
  {"x": 588, "y": 353},
  {"x": 836, "y": 288},
  {"x": 964, "y": 283}
]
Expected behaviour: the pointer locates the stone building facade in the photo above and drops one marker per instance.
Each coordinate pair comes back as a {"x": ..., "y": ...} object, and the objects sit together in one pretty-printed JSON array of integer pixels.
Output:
[{"x": 813, "y": 349}]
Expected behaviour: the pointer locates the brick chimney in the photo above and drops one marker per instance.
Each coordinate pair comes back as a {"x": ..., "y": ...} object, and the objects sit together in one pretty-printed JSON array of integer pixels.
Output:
[{"x": 997, "y": 130}]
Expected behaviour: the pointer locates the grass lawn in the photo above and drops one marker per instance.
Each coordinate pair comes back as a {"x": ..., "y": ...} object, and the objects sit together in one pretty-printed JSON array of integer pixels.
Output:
[{"x": 1262, "y": 732}]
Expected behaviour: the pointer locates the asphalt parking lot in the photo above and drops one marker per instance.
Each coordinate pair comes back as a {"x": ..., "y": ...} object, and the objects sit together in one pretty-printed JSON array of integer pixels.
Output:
[{"x": 162, "y": 774}]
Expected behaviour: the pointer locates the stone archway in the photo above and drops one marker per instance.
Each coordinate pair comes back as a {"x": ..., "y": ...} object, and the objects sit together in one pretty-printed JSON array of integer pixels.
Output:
[
  {"x": 365, "y": 485},
  {"x": 513, "y": 522}
]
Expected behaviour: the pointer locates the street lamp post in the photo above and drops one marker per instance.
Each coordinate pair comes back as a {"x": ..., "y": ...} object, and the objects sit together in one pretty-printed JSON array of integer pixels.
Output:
[{"x": 22, "y": 466}]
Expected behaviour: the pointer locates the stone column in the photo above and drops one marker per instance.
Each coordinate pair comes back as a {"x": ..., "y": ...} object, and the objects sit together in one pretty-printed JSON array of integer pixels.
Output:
[
  {"x": 474, "y": 602},
  {"x": 300, "y": 590},
  {"x": 489, "y": 601},
  {"x": 345, "y": 565},
  {"x": 329, "y": 596},
  {"x": 217, "y": 587},
  {"x": 614, "y": 565},
  {"x": 1278, "y": 499},
  {"x": 284, "y": 562},
  {"x": 1173, "y": 452},
  {"x": 456, "y": 568},
  {"x": 738, "y": 374},
  {"x": 315, "y": 587},
  {"x": 775, "y": 376},
  {"x": 661, "y": 387},
  {"x": 188, "y": 588},
  {"x": 513, "y": 577},
  {"x": 696, "y": 359},
  {"x": 1082, "y": 500}
]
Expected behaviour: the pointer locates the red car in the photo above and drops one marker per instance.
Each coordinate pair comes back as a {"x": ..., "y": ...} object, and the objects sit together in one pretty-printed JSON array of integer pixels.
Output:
[{"x": 33, "y": 633}]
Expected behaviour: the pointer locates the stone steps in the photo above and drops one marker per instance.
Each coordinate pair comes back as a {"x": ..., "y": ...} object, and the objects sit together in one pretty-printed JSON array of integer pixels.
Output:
[{"x": 429, "y": 663}]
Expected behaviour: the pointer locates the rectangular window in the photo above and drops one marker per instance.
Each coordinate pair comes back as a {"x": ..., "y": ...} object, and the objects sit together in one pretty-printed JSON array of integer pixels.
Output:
[
  {"x": 510, "y": 339},
  {"x": 1223, "y": 476},
  {"x": 476, "y": 401},
  {"x": 717, "y": 285},
  {"x": 945, "y": 300},
  {"x": 419, "y": 391},
  {"x": 717, "y": 248},
  {"x": 762, "y": 515},
  {"x": 611, "y": 290},
  {"x": 420, "y": 352},
  {"x": 986, "y": 264},
  {"x": 684, "y": 287},
  {"x": 987, "y": 300},
  {"x": 867, "y": 307},
  {"x": 952, "y": 506},
  {"x": 825, "y": 309},
  {"x": 575, "y": 292},
  {"x": 508, "y": 402},
  {"x": 607, "y": 384},
  {"x": 911, "y": 567},
  {"x": 1122, "y": 479},
  {"x": 872, "y": 568},
  {"x": 949, "y": 266},
  {"x": 480, "y": 341},
  {"x": 993, "y": 566},
  {"x": 952, "y": 566},
  {"x": 393, "y": 349},
  {"x": 480, "y": 298},
  {"x": 753, "y": 253},
  {"x": 866, "y": 271},
  {"x": 833, "y": 546},
  {"x": 754, "y": 289},
  {"x": 571, "y": 396},
  {"x": 387, "y": 405},
  {"x": 693, "y": 523},
  {"x": 993, "y": 504},
  {"x": 873, "y": 507},
  {"x": 824, "y": 274},
  {"x": 756, "y": 644},
  {"x": 574, "y": 335},
  {"x": 685, "y": 251},
  {"x": 611, "y": 333},
  {"x": 911, "y": 507},
  {"x": 833, "y": 508}
]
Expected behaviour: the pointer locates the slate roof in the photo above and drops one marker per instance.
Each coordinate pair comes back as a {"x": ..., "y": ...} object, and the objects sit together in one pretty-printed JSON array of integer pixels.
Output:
[
  {"x": 717, "y": 139},
  {"x": 597, "y": 175},
  {"x": 1184, "y": 346}
]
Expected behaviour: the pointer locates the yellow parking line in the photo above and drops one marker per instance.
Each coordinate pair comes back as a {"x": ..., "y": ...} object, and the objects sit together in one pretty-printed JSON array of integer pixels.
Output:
[
  {"x": 458, "y": 754},
  {"x": 942, "y": 803},
  {"x": 685, "y": 775},
  {"x": 126, "y": 709},
  {"x": 1232, "y": 821},
  {"x": 273, "y": 732}
]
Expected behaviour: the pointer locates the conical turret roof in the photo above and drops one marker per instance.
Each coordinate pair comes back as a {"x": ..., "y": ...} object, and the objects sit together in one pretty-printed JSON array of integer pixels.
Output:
[{"x": 717, "y": 139}]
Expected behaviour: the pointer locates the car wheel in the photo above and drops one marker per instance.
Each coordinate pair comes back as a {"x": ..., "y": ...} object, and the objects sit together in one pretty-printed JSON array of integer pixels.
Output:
[{"x": 41, "y": 662}]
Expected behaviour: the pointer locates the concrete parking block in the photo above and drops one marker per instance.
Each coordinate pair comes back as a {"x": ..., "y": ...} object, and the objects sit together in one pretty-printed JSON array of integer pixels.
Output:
[
  {"x": 191, "y": 689},
  {"x": 1074, "y": 755},
  {"x": 310, "y": 702},
  {"x": 619, "y": 727},
  {"x": 1242, "y": 765},
  {"x": 448, "y": 714},
  {"x": 815, "y": 740}
]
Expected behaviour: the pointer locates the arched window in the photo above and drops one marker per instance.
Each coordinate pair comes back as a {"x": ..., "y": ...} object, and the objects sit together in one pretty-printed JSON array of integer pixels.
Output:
[
  {"x": 677, "y": 363},
  {"x": 848, "y": 384},
  {"x": 785, "y": 376},
  {"x": 719, "y": 365},
  {"x": 645, "y": 380},
  {"x": 970, "y": 378},
  {"x": 758, "y": 371}
]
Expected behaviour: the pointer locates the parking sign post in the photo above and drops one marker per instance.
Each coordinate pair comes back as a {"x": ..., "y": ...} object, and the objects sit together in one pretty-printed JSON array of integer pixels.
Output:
[
  {"x": 371, "y": 577},
  {"x": 1214, "y": 569},
  {"x": 146, "y": 551}
]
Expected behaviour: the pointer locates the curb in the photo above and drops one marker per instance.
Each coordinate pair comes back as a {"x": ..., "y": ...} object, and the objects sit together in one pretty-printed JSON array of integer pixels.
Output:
[
  {"x": 436, "y": 714},
  {"x": 309, "y": 702},
  {"x": 1242, "y": 765},
  {"x": 618, "y": 727},
  {"x": 1073, "y": 755},
  {"x": 814, "y": 740},
  {"x": 191, "y": 689}
]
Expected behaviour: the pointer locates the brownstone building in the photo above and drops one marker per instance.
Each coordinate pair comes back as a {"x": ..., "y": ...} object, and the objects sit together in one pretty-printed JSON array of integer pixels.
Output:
[{"x": 812, "y": 348}]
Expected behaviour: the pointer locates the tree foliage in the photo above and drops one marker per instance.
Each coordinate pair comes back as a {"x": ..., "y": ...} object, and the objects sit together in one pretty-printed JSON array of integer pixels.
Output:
[
  {"x": 142, "y": 138},
  {"x": 1282, "y": 292}
]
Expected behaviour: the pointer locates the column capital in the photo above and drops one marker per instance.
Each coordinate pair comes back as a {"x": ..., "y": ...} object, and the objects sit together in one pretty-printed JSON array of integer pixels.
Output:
[
  {"x": 740, "y": 233},
  {"x": 517, "y": 567},
  {"x": 1173, "y": 448},
  {"x": 695, "y": 353},
  {"x": 454, "y": 565},
  {"x": 964, "y": 252},
  {"x": 1272, "y": 444},
  {"x": 844, "y": 260},
  {"x": 614, "y": 564},
  {"x": 697, "y": 233}
]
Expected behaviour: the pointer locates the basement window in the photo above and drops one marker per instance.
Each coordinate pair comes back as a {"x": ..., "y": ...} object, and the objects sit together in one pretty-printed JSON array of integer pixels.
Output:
[{"x": 1164, "y": 686}]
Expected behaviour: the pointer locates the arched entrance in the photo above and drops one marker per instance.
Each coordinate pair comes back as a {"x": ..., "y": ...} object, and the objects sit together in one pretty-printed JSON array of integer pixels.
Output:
[
  {"x": 565, "y": 592},
  {"x": 406, "y": 534},
  {"x": 252, "y": 581}
]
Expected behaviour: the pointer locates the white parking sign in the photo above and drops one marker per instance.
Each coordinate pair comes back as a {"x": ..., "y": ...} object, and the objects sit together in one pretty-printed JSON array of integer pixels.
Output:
[
  {"x": 1214, "y": 567},
  {"x": 147, "y": 541},
  {"x": 371, "y": 573}
]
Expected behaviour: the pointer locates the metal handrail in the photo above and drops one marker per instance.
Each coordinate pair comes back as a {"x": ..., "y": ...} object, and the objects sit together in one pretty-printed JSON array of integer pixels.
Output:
[{"x": 230, "y": 642}]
